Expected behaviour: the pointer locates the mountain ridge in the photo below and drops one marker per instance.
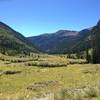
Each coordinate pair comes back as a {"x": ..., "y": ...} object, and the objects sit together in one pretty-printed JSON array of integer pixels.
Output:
[
  {"x": 12, "y": 42},
  {"x": 62, "y": 41}
]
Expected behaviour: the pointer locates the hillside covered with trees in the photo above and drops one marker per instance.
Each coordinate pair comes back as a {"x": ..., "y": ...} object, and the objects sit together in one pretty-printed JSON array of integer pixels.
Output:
[{"x": 12, "y": 42}]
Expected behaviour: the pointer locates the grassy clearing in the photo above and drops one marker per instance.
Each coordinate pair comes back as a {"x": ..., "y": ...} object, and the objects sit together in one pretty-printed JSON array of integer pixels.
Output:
[{"x": 37, "y": 80}]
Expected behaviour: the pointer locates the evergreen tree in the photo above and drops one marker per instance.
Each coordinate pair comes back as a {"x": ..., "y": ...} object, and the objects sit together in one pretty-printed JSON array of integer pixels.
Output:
[{"x": 96, "y": 43}]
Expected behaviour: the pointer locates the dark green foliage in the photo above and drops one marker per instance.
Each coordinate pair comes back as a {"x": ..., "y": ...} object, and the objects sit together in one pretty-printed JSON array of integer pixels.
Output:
[
  {"x": 12, "y": 42},
  {"x": 96, "y": 43},
  {"x": 88, "y": 56}
]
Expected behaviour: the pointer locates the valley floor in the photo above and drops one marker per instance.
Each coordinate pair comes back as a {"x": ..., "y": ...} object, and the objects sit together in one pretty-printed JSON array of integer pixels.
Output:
[{"x": 36, "y": 77}]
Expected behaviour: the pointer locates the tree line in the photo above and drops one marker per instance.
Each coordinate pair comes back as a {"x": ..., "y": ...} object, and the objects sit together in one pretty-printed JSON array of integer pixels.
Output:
[{"x": 94, "y": 57}]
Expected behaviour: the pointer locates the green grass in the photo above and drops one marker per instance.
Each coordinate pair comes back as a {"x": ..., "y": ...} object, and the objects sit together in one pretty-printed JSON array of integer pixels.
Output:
[{"x": 44, "y": 79}]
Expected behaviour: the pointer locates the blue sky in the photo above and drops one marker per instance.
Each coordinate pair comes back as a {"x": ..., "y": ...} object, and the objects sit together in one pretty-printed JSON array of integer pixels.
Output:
[{"x": 34, "y": 17}]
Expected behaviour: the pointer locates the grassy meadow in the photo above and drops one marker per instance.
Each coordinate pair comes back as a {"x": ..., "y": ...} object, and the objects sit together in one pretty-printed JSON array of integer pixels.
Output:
[{"x": 26, "y": 77}]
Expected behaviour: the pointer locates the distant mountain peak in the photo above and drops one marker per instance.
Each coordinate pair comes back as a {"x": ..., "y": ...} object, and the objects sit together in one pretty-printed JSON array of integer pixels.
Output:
[
  {"x": 66, "y": 33},
  {"x": 60, "y": 31}
]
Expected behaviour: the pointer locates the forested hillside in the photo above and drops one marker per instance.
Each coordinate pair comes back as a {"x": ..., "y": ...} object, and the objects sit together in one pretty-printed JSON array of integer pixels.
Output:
[{"x": 12, "y": 42}]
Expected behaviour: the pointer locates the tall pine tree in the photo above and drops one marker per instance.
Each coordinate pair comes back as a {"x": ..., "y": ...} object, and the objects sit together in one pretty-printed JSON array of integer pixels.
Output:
[{"x": 96, "y": 43}]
